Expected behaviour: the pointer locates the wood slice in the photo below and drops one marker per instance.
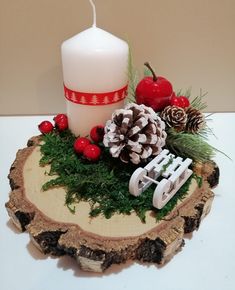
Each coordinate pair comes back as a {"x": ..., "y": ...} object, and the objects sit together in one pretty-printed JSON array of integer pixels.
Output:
[{"x": 97, "y": 243}]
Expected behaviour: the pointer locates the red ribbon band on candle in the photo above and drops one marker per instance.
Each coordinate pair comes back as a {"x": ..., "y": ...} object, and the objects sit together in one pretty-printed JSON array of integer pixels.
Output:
[{"x": 95, "y": 99}]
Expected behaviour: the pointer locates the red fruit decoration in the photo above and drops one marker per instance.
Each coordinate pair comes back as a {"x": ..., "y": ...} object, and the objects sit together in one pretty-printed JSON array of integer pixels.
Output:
[
  {"x": 154, "y": 91},
  {"x": 80, "y": 144},
  {"x": 175, "y": 101},
  {"x": 59, "y": 117},
  {"x": 45, "y": 127},
  {"x": 181, "y": 101},
  {"x": 62, "y": 125},
  {"x": 97, "y": 133},
  {"x": 92, "y": 152},
  {"x": 61, "y": 122},
  {"x": 184, "y": 101}
]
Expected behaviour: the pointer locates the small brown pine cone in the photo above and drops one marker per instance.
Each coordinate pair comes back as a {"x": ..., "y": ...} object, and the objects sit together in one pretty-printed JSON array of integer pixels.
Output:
[
  {"x": 174, "y": 117},
  {"x": 195, "y": 120}
]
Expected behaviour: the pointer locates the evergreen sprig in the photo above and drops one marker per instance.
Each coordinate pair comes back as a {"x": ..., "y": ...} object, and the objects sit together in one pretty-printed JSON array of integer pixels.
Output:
[
  {"x": 132, "y": 78},
  {"x": 189, "y": 145},
  {"x": 103, "y": 184},
  {"x": 198, "y": 102}
]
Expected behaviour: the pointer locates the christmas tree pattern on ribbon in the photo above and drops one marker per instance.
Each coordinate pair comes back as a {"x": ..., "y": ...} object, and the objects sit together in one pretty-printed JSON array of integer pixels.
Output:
[
  {"x": 116, "y": 97},
  {"x": 94, "y": 100},
  {"x": 83, "y": 100},
  {"x": 106, "y": 100}
]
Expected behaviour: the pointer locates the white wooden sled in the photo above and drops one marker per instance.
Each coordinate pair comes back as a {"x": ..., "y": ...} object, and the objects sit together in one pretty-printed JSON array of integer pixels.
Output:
[{"x": 168, "y": 172}]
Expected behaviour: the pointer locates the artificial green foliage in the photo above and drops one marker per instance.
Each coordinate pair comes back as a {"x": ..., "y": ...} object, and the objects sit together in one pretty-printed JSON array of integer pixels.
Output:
[
  {"x": 164, "y": 167},
  {"x": 189, "y": 145},
  {"x": 133, "y": 78},
  {"x": 199, "y": 180},
  {"x": 187, "y": 93},
  {"x": 103, "y": 184},
  {"x": 198, "y": 102}
]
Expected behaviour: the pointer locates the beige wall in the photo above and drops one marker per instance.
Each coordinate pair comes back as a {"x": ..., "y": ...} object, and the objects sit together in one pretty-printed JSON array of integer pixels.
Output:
[{"x": 190, "y": 42}]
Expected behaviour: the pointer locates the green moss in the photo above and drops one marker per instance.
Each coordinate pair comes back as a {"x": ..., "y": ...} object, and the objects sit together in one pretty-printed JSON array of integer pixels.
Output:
[{"x": 103, "y": 184}]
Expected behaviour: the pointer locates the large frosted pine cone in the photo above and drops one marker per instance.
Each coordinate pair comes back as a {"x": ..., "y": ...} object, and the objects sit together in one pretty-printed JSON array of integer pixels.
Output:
[
  {"x": 174, "y": 117},
  {"x": 195, "y": 120},
  {"x": 134, "y": 133}
]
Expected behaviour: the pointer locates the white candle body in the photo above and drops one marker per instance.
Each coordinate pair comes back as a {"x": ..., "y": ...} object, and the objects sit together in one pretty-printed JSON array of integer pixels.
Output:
[{"x": 94, "y": 61}]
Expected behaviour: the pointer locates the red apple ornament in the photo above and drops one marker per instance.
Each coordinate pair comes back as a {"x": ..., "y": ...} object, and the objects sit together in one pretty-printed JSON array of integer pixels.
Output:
[{"x": 154, "y": 91}]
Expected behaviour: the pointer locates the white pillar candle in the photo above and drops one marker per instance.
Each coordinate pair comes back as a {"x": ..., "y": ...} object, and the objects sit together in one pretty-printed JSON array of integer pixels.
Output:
[{"x": 95, "y": 72}]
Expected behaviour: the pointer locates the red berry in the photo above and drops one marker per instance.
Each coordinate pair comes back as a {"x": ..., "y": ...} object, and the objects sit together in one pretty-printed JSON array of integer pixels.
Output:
[
  {"x": 59, "y": 117},
  {"x": 176, "y": 101},
  {"x": 97, "y": 133},
  {"x": 45, "y": 127},
  {"x": 80, "y": 144},
  {"x": 62, "y": 124},
  {"x": 181, "y": 101},
  {"x": 61, "y": 121},
  {"x": 92, "y": 152},
  {"x": 184, "y": 101}
]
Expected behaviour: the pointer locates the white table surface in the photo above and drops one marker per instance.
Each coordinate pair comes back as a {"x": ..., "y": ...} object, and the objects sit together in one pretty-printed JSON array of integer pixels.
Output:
[{"x": 207, "y": 260}]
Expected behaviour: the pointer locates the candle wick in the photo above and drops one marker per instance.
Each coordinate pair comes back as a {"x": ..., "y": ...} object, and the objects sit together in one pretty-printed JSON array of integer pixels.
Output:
[{"x": 94, "y": 13}]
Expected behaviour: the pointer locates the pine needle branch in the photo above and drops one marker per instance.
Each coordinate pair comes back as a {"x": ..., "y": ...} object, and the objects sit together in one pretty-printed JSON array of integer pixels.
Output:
[
  {"x": 132, "y": 77},
  {"x": 186, "y": 93},
  {"x": 189, "y": 145},
  {"x": 198, "y": 102}
]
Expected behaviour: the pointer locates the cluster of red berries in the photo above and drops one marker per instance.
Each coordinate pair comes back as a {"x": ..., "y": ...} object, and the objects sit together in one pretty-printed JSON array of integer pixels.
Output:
[
  {"x": 179, "y": 101},
  {"x": 83, "y": 145},
  {"x": 61, "y": 123}
]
